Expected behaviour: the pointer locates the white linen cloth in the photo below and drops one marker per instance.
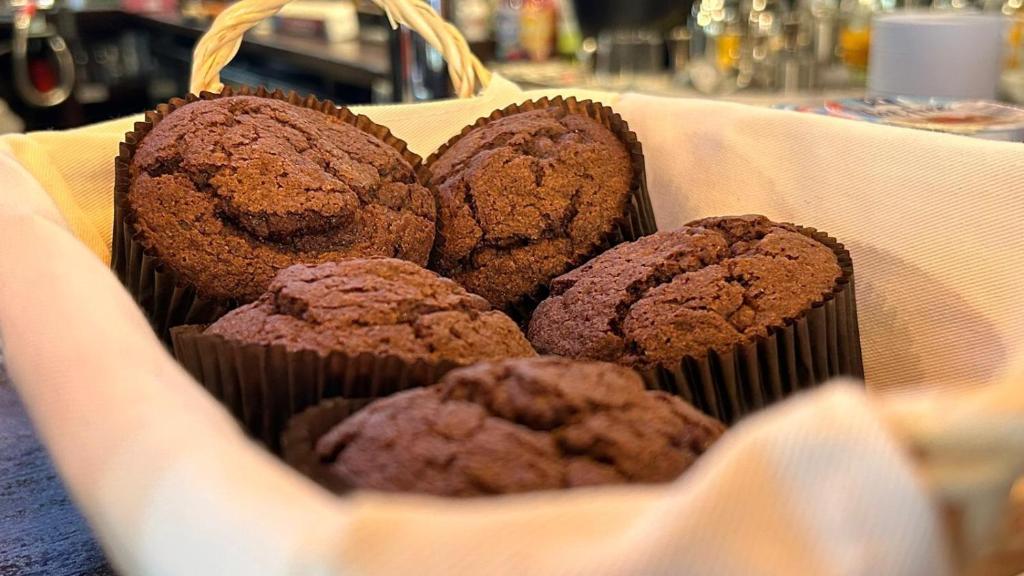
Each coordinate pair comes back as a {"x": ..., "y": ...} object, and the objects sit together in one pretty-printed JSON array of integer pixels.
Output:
[{"x": 822, "y": 484}]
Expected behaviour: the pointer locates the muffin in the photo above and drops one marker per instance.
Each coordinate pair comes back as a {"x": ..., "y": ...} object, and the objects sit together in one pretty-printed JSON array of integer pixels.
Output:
[
  {"x": 504, "y": 427},
  {"x": 380, "y": 306},
  {"x": 705, "y": 289},
  {"x": 358, "y": 328},
  {"x": 226, "y": 191},
  {"x": 530, "y": 193}
]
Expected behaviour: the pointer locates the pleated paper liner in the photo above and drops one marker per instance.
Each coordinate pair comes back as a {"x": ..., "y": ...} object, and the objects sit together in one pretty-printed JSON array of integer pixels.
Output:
[
  {"x": 264, "y": 386},
  {"x": 638, "y": 217},
  {"x": 167, "y": 299},
  {"x": 298, "y": 442},
  {"x": 821, "y": 344}
]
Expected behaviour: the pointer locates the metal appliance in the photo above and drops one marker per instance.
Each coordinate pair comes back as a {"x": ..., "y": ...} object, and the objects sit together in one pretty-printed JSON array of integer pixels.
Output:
[{"x": 42, "y": 66}]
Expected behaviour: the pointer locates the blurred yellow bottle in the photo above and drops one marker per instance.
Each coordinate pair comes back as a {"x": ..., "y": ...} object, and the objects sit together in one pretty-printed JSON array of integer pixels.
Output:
[
  {"x": 855, "y": 46},
  {"x": 854, "y": 42},
  {"x": 1014, "y": 11},
  {"x": 727, "y": 54},
  {"x": 1015, "y": 37},
  {"x": 537, "y": 29}
]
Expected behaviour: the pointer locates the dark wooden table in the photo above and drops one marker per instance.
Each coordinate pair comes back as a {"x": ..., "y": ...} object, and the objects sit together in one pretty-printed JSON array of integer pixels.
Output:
[{"x": 41, "y": 532}]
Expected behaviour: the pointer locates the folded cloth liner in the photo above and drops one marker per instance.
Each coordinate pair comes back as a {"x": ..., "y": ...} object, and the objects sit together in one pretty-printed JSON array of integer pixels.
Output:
[{"x": 819, "y": 485}]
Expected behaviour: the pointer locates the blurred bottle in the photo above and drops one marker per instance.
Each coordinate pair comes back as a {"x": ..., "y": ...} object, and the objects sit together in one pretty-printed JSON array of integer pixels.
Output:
[
  {"x": 473, "y": 18},
  {"x": 855, "y": 33},
  {"x": 506, "y": 30},
  {"x": 763, "y": 43},
  {"x": 570, "y": 39},
  {"x": 418, "y": 72},
  {"x": 1012, "y": 84},
  {"x": 678, "y": 43},
  {"x": 716, "y": 44},
  {"x": 1014, "y": 9},
  {"x": 821, "y": 18},
  {"x": 537, "y": 29},
  {"x": 797, "y": 64},
  {"x": 476, "y": 20}
]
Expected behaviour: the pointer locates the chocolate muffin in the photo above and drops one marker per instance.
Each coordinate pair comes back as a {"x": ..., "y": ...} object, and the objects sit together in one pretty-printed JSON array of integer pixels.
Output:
[
  {"x": 358, "y": 328},
  {"x": 227, "y": 191},
  {"x": 526, "y": 197},
  {"x": 380, "y": 306},
  {"x": 510, "y": 426},
  {"x": 710, "y": 285}
]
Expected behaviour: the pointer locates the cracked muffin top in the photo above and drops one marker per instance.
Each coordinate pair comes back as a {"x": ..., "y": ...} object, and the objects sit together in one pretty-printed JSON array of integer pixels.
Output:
[
  {"x": 709, "y": 285},
  {"x": 229, "y": 191},
  {"x": 516, "y": 426},
  {"x": 525, "y": 198},
  {"x": 382, "y": 306}
]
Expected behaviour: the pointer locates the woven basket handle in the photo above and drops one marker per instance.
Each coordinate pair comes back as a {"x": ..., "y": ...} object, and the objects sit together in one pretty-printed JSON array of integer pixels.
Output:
[{"x": 221, "y": 42}]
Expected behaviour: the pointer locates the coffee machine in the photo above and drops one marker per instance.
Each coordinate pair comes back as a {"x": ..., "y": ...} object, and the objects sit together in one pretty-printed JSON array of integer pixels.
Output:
[{"x": 42, "y": 69}]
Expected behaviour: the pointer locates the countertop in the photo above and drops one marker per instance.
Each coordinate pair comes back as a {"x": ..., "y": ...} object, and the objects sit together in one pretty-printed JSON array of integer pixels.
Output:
[
  {"x": 355, "y": 62},
  {"x": 556, "y": 74}
]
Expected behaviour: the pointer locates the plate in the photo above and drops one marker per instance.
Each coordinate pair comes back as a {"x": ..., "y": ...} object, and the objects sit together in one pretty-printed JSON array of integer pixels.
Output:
[{"x": 978, "y": 118}]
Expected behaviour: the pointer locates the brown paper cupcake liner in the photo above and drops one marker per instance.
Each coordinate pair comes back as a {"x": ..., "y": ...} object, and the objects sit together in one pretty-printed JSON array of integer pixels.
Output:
[
  {"x": 264, "y": 386},
  {"x": 821, "y": 344},
  {"x": 638, "y": 218},
  {"x": 166, "y": 298},
  {"x": 298, "y": 441}
]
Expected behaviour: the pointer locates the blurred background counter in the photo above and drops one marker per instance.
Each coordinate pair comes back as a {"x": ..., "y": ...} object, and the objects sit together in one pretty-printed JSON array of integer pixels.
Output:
[
  {"x": 65, "y": 63},
  {"x": 127, "y": 60}
]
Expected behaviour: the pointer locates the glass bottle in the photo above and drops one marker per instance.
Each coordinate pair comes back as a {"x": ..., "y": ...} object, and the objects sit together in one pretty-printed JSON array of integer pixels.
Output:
[
  {"x": 819, "y": 24},
  {"x": 716, "y": 44},
  {"x": 1014, "y": 10},
  {"x": 473, "y": 19},
  {"x": 763, "y": 43},
  {"x": 506, "y": 30},
  {"x": 570, "y": 39},
  {"x": 855, "y": 33},
  {"x": 537, "y": 29},
  {"x": 796, "y": 61},
  {"x": 819, "y": 20}
]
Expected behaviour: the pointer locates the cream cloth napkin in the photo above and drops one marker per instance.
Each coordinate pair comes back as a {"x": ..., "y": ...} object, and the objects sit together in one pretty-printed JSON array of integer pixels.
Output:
[{"x": 820, "y": 485}]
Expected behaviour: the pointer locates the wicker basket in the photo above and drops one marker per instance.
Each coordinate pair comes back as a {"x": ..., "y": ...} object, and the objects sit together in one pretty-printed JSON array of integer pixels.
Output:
[{"x": 970, "y": 472}]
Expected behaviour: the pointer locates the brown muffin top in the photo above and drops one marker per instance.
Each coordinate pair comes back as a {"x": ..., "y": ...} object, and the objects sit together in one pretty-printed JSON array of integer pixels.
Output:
[
  {"x": 231, "y": 190},
  {"x": 382, "y": 306},
  {"x": 708, "y": 285},
  {"x": 517, "y": 426},
  {"x": 525, "y": 198}
]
